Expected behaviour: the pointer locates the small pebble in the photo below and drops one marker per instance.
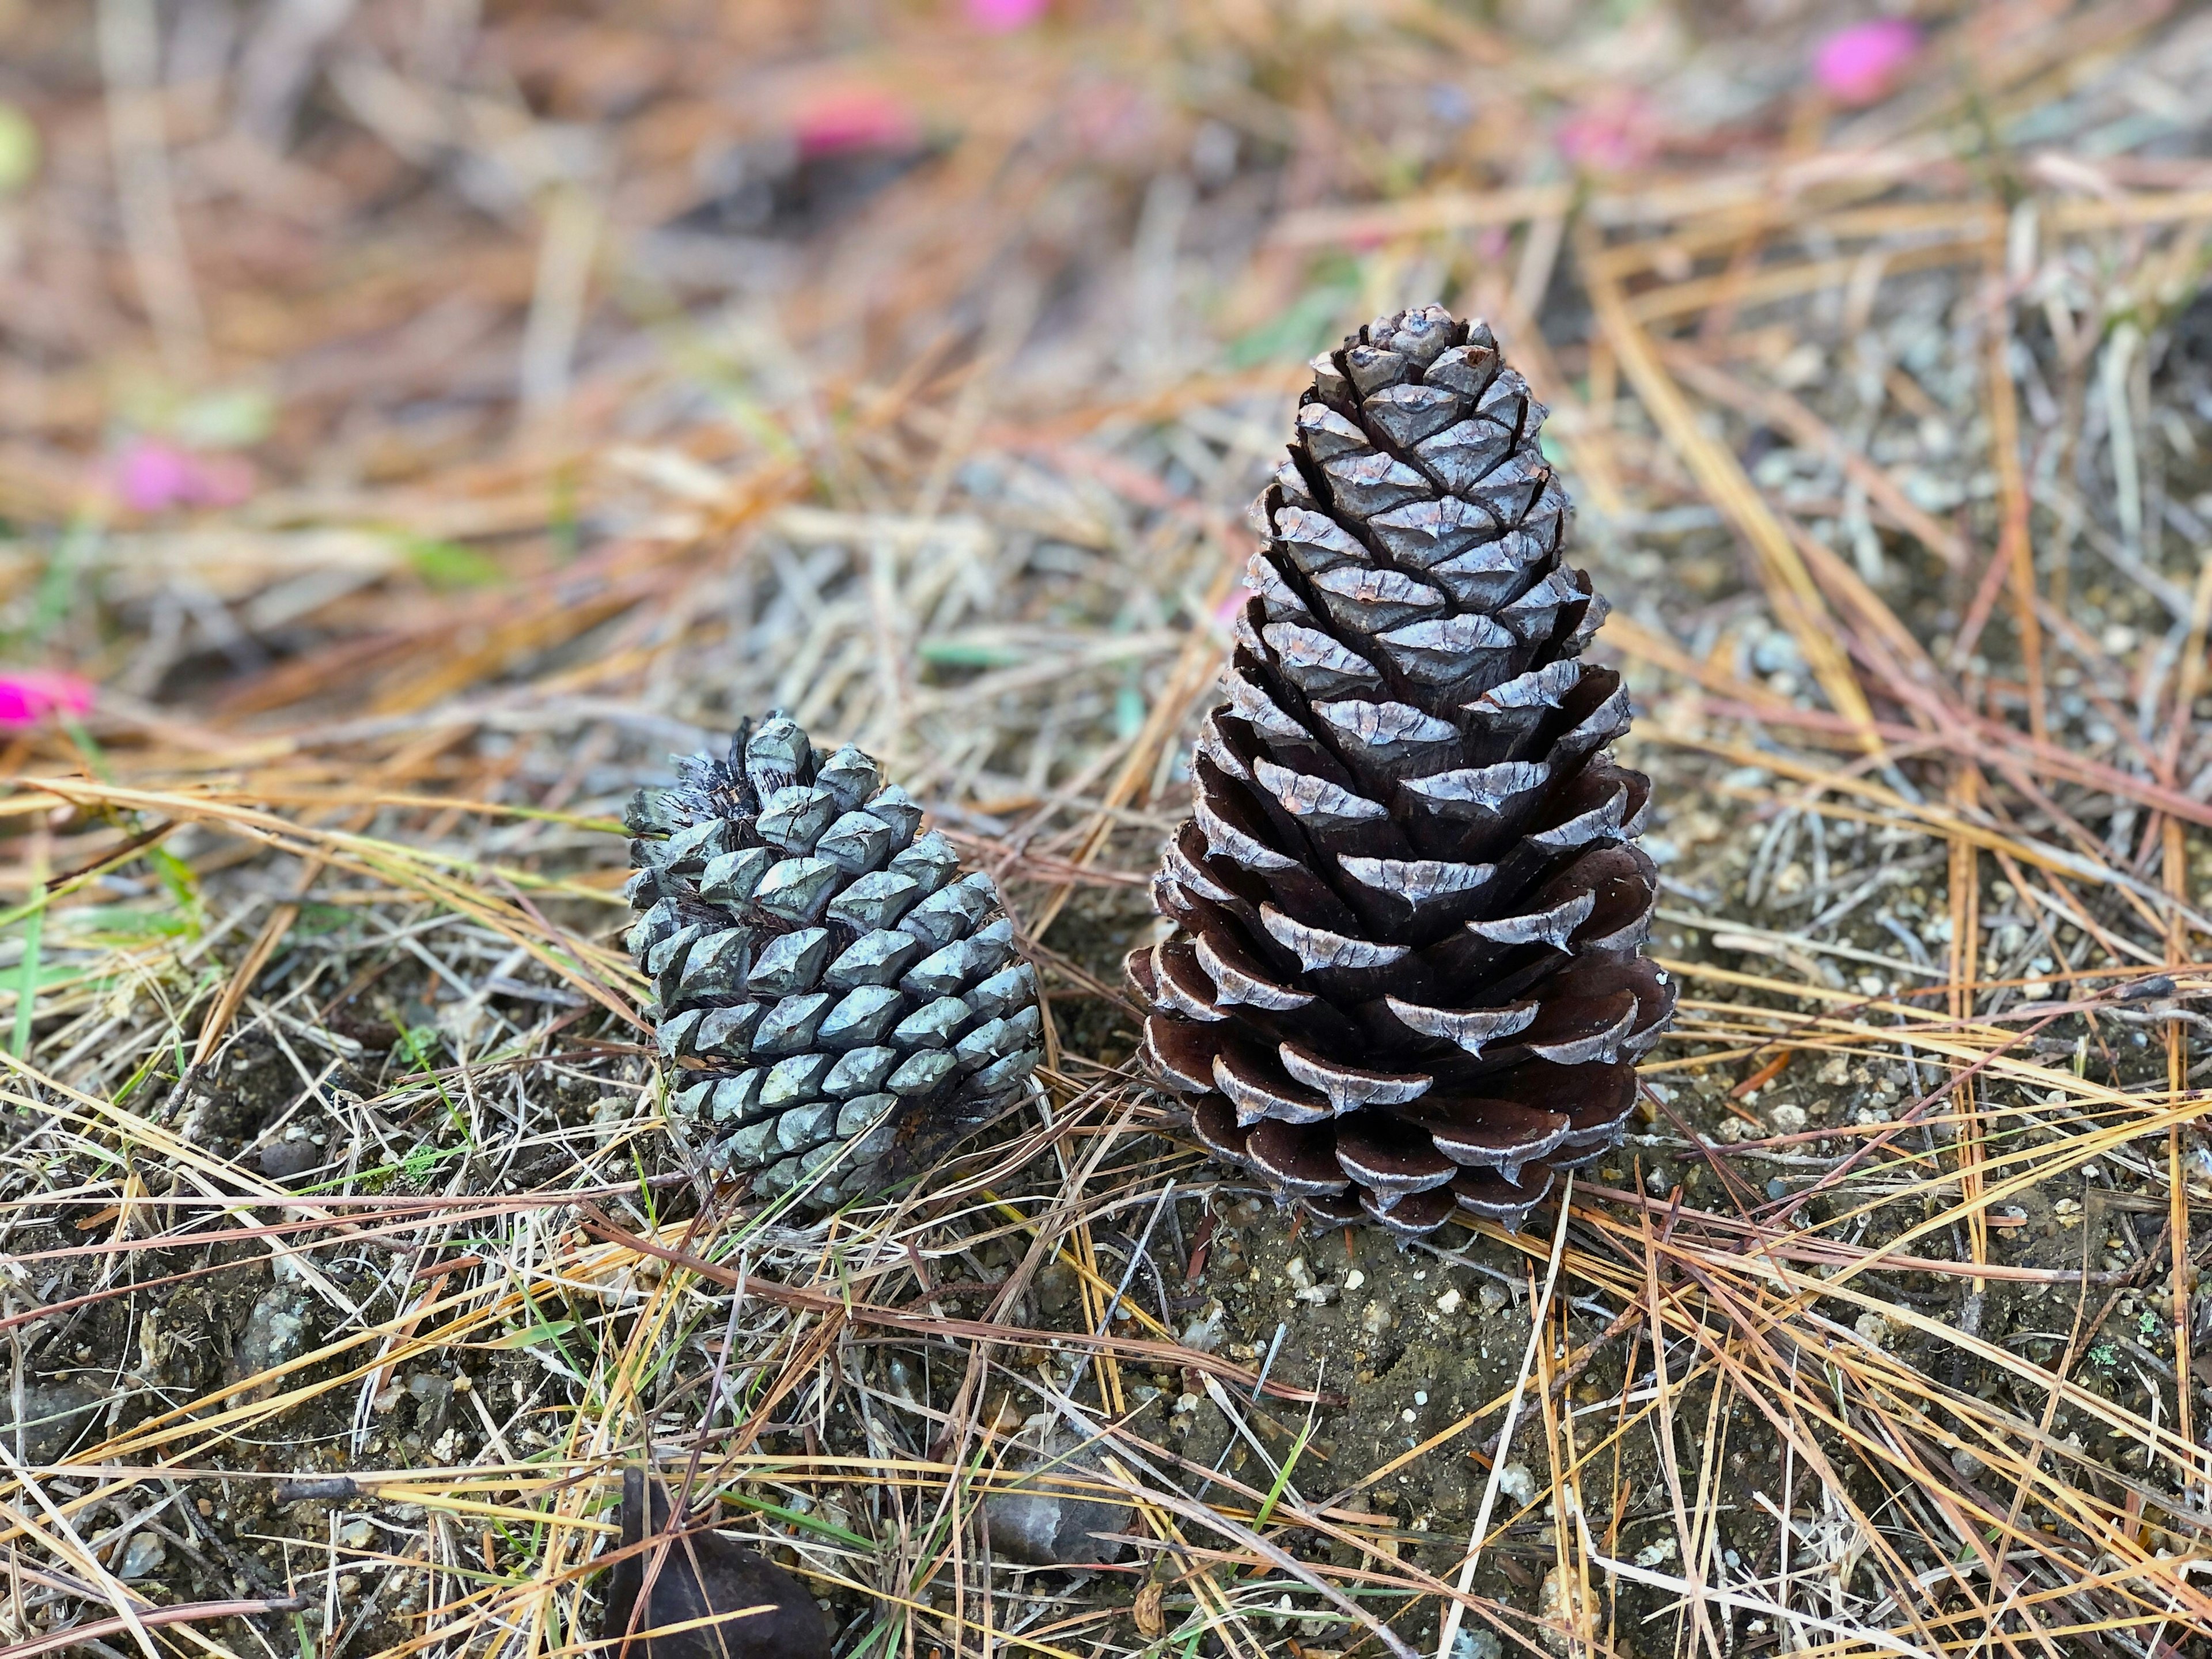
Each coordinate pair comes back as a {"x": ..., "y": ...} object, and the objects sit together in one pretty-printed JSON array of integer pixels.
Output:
[
  {"x": 56, "y": 1415},
  {"x": 276, "y": 1331},
  {"x": 1559, "y": 1600},
  {"x": 1652, "y": 1554},
  {"x": 288, "y": 1159},
  {"x": 143, "y": 1556}
]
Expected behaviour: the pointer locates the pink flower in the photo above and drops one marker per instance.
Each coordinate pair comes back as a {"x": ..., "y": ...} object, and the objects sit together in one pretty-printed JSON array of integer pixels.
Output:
[
  {"x": 1005, "y": 17},
  {"x": 155, "y": 476},
  {"x": 848, "y": 118},
  {"x": 1861, "y": 63},
  {"x": 28, "y": 696},
  {"x": 1613, "y": 132}
]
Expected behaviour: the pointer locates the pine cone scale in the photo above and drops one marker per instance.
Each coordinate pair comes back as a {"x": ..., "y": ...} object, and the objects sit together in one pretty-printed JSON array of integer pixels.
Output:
[{"x": 1405, "y": 976}]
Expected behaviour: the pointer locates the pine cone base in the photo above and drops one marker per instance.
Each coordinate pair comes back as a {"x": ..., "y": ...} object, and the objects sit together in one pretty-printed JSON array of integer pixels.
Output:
[
  {"x": 839, "y": 1003},
  {"x": 1405, "y": 980}
]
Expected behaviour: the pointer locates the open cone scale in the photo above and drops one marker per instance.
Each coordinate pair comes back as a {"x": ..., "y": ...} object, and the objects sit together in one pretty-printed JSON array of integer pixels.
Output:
[{"x": 1405, "y": 979}]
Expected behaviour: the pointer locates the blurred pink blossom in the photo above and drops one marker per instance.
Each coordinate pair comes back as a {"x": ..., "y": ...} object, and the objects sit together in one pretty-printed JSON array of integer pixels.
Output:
[
  {"x": 1225, "y": 612},
  {"x": 154, "y": 475},
  {"x": 845, "y": 119},
  {"x": 1005, "y": 17},
  {"x": 28, "y": 696},
  {"x": 1614, "y": 131},
  {"x": 1861, "y": 63}
]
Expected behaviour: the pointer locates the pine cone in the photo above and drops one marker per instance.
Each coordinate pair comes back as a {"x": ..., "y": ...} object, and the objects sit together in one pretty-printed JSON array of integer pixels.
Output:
[
  {"x": 842, "y": 992},
  {"x": 1405, "y": 976}
]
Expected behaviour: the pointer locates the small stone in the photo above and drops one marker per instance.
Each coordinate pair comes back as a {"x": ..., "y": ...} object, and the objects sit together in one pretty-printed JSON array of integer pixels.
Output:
[
  {"x": 1057, "y": 1288},
  {"x": 357, "y": 1533},
  {"x": 276, "y": 1332},
  {"x": 292, "y": 1156},
  {"x": 1354, "y": 1279},
  {"x": 1449, "y": 1302},
  {"x": 1787, "y": 1119},
  {"x": 1514, "y": 1481},
  {"x": 1559, "y": 1605},
  {"x": 1203, "y": 1334},
  {"x": 434, "y": 1399},
  {"x": 143, "y": 1556},
  {"x": 1652, "y": 1554},
  {"x": 1492, "y": 1296},
  {"x": 1049, "y": 1526},
  {"x": 55, "y": 1415}
]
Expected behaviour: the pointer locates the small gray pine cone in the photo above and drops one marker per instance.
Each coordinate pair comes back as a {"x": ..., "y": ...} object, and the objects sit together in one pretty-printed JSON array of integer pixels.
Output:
[
  {"x": 832, "y": 988},
  {"x": 1406, "y": 976}
]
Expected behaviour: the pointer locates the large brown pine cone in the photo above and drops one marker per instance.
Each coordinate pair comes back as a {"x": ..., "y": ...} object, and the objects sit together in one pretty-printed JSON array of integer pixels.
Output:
[
  {"x": 842, "y": 1003},
  {"x": 1405, "y": 977}
]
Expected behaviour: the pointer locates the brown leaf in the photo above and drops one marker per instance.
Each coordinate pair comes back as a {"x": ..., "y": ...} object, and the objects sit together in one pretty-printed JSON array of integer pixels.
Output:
[{"x": 1150, "y": 1624}]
